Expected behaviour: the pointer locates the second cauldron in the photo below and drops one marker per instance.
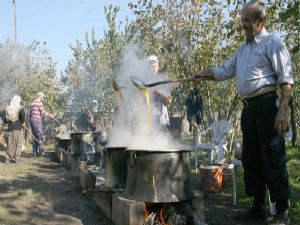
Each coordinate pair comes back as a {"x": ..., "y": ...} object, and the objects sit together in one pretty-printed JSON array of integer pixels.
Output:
[
  {"x": 158, "y": 175},
  {"x": 84, "y": 143},
  {"x": 116, "y": 167}
]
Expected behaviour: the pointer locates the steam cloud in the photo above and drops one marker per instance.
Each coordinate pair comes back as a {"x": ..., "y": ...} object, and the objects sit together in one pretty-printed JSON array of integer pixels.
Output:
[{"x": 130, "y": 125}]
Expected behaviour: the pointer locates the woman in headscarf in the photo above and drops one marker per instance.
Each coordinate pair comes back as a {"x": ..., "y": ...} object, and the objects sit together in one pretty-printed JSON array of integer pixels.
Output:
[{"x": 15, "y": 117}]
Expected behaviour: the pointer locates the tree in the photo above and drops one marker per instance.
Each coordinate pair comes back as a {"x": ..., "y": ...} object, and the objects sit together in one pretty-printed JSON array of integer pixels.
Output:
[
  {"x": 25, "y": 71},
  {"x": 188, "y": 36},
  {"x": 88, "y": 76}
]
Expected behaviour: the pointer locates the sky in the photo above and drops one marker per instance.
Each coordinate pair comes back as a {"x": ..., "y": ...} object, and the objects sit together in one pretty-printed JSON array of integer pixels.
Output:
[{"x": 56, "y": 22}]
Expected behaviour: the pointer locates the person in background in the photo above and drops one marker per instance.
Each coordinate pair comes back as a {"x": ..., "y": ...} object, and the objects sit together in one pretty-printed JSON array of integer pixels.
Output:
[
  {"x": 260, "y": 64},
  {"x": 14, "y": 116},
  {"x": 161, "y": 98},
  {"x": 85, "y": 121},
  {"x": 36, "y": 113}
]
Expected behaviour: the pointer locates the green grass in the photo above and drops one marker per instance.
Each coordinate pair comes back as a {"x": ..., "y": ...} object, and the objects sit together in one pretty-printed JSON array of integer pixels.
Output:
[{"x": 294, "y": 180}]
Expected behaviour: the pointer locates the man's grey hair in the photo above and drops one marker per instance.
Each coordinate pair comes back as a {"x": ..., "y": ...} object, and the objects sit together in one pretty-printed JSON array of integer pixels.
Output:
[{"x": 261, "y": 11}]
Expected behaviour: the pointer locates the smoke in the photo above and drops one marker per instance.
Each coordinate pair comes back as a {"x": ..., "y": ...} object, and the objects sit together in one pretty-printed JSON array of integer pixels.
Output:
[
  {"x": 13, "y": 61},
  {"x": 131, "y": 126}
]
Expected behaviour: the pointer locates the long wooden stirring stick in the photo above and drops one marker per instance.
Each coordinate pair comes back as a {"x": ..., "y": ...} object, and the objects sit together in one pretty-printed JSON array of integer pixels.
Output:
[{"x": 30, "y": 133}]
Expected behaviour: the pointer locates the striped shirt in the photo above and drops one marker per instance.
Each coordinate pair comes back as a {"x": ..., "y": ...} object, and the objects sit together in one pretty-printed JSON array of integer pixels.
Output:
[{"x": 37, "y": 110}]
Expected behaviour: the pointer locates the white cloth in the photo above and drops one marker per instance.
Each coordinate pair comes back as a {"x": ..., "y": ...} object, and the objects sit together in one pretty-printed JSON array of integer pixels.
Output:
[{"x": 13, "y": 109}]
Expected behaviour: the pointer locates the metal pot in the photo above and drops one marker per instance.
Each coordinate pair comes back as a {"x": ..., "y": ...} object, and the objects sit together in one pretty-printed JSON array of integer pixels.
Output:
[
  {"x": 64, "y": 143},
  {"x": 158, "y": 176},
  {"x": 63, "y": 140},
  {"x": 116, "y": 167},
  {"x": 84, "y": 143}
]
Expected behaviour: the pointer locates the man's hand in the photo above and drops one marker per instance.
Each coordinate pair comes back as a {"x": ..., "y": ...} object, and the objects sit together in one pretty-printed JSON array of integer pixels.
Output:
[
  {"x": 203, "y": 75},
  {"x": 282, "y": 122}
]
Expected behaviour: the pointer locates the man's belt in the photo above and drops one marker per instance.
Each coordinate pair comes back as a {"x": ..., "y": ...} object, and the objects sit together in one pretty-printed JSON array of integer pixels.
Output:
[{"x": 248, "y": 101}]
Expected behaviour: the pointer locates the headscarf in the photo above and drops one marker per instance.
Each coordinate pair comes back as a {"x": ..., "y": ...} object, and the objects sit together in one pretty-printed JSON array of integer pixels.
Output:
[{"x": 13, "y": 109}]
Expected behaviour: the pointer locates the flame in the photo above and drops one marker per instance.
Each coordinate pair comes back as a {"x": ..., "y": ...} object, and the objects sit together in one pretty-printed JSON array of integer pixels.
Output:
[
  {"x": 159, "y": 216},
  {"x": 146, "y": 214},
  {"x": 161, "y": 212}
]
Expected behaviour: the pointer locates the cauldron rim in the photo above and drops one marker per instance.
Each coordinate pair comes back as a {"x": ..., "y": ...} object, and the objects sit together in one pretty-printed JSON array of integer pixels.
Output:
[
  {"x": 115, "y": 147},
  {"x": 64, "y": 138},
  {"x": 61, "y": 137},
  {"x": 89, "y": 132},
  {"x": 157, "y": 150}
]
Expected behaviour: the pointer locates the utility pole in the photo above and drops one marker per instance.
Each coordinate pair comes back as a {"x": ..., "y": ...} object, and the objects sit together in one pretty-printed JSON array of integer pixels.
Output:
[{"x": 15, "y": 19}]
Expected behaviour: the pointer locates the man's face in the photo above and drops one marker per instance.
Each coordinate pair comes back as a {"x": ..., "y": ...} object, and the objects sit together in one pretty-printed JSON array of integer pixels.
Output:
[
  {"x": 250, "y": 25},
  {"x": 154, "y": 66}
]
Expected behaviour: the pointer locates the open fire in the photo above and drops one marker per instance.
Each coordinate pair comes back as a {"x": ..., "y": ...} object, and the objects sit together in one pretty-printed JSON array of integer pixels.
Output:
[{"x": 168, "y": 214}]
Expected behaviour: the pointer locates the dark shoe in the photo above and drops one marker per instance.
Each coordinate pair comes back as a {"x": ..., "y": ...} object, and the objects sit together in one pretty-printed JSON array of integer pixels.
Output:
[
  {"x": 256, "y": 213},
  {"x": 281, "y": 219}
]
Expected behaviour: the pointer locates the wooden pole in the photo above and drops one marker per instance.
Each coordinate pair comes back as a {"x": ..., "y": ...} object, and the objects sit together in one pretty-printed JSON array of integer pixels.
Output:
[{"x": 15, "y": 19}]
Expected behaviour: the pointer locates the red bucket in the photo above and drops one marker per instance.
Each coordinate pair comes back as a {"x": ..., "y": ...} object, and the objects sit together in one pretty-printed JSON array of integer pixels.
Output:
[{"x": 211, "y": 178}]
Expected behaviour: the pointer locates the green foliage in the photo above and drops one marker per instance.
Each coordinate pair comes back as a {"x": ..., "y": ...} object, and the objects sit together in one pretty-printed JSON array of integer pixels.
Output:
[
  {"x": 88, "y": 76},
  {"x": 26, "y": 71},
  {"x": 188, "y": 36}
]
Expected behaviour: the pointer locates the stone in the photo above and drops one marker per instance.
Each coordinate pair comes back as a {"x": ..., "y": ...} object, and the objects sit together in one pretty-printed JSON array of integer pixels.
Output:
[
  {"x": 75, "y": 165},
  {"x": 198, "y": 208},
  {"x": 104, "y": 202},
  {"x": 68, "y": 159},
  {"x": 126, "y": 211},
  {"x": 87, "y": 180}
]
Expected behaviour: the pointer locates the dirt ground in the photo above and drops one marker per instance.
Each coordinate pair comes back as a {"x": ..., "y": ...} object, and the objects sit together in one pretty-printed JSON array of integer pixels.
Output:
[
  {"x": 220, "y": 211},
  {"x": 38, "y": 191}
]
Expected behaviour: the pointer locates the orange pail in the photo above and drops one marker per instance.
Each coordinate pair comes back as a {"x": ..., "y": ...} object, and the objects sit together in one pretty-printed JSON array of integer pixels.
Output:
[{"x": 211, "y": 178}]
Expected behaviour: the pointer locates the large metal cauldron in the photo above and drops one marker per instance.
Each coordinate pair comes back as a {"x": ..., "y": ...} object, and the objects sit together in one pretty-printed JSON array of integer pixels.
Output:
[
  {"x": 158, "y": 176},
  {"x": 116, "y": 167},
  {"x": 63, "y": 141},
  {"x": 84, "y": 143}
]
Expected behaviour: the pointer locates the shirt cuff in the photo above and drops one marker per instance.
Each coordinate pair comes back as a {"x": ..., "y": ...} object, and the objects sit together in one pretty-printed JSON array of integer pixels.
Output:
[
  {"x": 217, "y": 73},
  {"x": 286, "y": 79}
]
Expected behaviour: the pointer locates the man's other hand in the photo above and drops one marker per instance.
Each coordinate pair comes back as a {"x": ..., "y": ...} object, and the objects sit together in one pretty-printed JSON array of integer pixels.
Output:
[{"x": 282, "y": 122}]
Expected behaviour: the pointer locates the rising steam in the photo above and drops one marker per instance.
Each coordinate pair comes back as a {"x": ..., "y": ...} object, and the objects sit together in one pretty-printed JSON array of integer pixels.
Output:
[{"x": 130, "y": 126}]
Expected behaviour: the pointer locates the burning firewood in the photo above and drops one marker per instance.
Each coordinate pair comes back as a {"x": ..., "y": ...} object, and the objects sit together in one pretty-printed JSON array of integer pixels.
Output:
[{"x": 167, "y": 214}]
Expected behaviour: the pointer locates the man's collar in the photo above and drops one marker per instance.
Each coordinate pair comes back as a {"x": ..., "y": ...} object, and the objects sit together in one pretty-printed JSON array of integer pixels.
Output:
[{"x": 259, "y": 36}]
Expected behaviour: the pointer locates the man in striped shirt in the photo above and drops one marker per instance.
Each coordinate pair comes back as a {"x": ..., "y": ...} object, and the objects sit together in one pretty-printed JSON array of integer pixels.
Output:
[{"x": 36, "y": 112}]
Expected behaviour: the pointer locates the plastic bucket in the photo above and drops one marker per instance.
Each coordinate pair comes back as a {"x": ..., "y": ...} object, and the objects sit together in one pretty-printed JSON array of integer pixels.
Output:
[{"x": 211, "y": 178}]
